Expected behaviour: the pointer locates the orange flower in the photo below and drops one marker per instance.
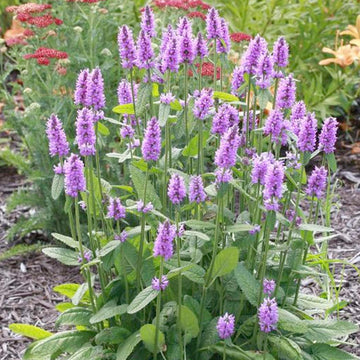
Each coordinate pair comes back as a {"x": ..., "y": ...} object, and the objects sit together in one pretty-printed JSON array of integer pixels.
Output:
[
  {"x": 344, "y": 55},
  {"x": 352, "y": 30}
]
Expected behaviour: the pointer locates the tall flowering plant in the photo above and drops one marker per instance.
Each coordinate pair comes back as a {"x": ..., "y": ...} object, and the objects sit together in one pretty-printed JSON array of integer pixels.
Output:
[{"x": 199, "y": 248}]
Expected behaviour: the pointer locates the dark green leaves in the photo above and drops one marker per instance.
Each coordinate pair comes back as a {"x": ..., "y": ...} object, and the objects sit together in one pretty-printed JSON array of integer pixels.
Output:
[
  {"x": 247, "y": 283},
  {"x": 142, "y": 299},
  {"x": 225, "y": 262},
  {"x": 147, "y": 334}
]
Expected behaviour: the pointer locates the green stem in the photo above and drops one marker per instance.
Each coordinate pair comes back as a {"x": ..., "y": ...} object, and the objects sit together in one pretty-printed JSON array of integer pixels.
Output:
[
  {"x": 134, "y": 104},
  {"x": 158, "y": 306},
  {"x": 224, "y": 351}
]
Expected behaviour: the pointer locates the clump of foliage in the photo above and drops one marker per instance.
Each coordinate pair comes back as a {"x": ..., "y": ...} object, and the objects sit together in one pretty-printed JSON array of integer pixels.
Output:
[{"x": 197, "y": 250}]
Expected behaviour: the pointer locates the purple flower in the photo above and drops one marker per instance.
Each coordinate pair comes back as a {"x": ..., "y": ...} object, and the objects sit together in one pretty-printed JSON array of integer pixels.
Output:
[
  {"x": 144, "y": 208},
  {"x": 223, "y": 176},
  {"x": 327, "y": 138},
  {"x": 273, "y": 124},
  {"x": 317, "y": 182},
  {"x": 290, "y": 214},
  {"x": 226, "y": 326},
  {"x": 237, "y": 79},
  {"x": 122, "y": 237},
  {"x": 167, "y": 98},
  {"x": 187, "y": 49},
  {"x": 74, "y": 175},
  {"x": 201, "y": 49},
  {"x": 167, "y": 35},
  {"x": 124, "y": 92},
  {"x": 226, "y": 116},
  {"x": 268, "y": 286},
  {"x": 145, "y": 52},
  {"x": 260, "y": 165},
  {"x": 58, "y": 169},
  {"x": 115, "y": 209},
  {"x": 147, "y": 22},
  {"x": 280, "y": 55},
  {"x": 151, "y": 146},
  {"x": 203, "y": 103},
  {"x": 127, "y": 131},
  {"x": 171, "y": 56},
  {"x": 273, "y": 185},
  {"x": 268, "y": 315},
  {"x": 58, "y": 144},
  {"x": 223, "y": 43},
  {"x": 81, "y": 86},
  {"x": 213, "y": 24},
  {"x": 252, "y": 122},
  {"x": 285, "y": 96},
  {"x": 292, "y": 160},
  {"x": 98, "y": 115},
  {"x": 85, "y": 133},
  {"x": 196, "y": 189},
  {"x": 180, "y": 231},
  {"x": 127, "y": 50},
  {"x": 298, "y": 112},
  {"x": 158, "y": 285},
  {"x": 87, "y": 256},
  {"x": 264, "y": 71},
  {"x": 163, "y": 245},
  {"x": 250, "y": 60},
  {"x": 255, "y": 229},
  {"x": 184, "y": 26},
  {"x": 95, "y": 90},
  {"x": 133, "y": 143},
  {"x": 307, "y": 133},
  {"x": 176, "y": 189},
  {"x": 225, "y": 156}
]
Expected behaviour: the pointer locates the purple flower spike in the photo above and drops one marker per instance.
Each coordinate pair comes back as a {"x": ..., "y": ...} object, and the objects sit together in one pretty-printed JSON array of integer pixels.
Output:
[
  {"x": 95, "y": 90},
  {"x": 115, "y": 209},
  {"x": 298, "y": 112},
  {"x": 225, "y": 156},
  {"x": 237, "y": 79},
  {"x": 268, "y": 315},
  {"x": 167, "y": 98},
  {"x": 124, "y": 92},
  {"x": 127, "y": 50},
  {"x": 58, "y": 144},
  {"x": 163, "y": 245},
  {"x": 223, "y": 176},
  {"x": 122, "y": 237},
  {"x": 250, "y": 60},
  {"x": 223, "y": 44},
  {"x": 167, "y": 35},
  {"x": 171, "y": 56},
  {"x": 85, "y": 133},
  {"x": 127, "y": 132},
  {"x": 327, "y": 138},
  {"x": 147, "y": 22},
  {"x": 226, "y": 117},
  {"x": 273, "y": 124},
  {"x": 203, "y": 103},
  {"x": 264, "y": 71},
  {"x": 268, "y": 286},
  {"x": 307, "y": 133},
  {"x": 184, "y": 26},
  {"x": 160, "y": 285},
  {"x": 317, "y": 182},
  {"x": 74, "y": 175},
  {"x": 273, "y": 185},
  {"x": 260, "y": 165},
  {"x": 176, "y": 189},
  {"x": 187, "y": 49},
  {"x": 281, "y": 52},
  {"x": 81, "y": 86},
  {"x": 226, "y": 326},
  {"x": 144, "y": 208},
  {"x": 196, "y": 189},
  {"x": 201, "y": 48},
  {"x": 213, "y": 24},
  {"x": 145, "y": 52},
  {"x": 255, "y": 229},
  {"x": 151, "y": 146},
  {"x": 285, "y": 97}
]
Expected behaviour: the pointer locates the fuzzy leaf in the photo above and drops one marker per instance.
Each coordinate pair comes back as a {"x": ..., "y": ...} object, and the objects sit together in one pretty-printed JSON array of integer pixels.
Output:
[
  {"x": 113, "y": 335},
  {"x": 67, "y": 240},
  {"x": 30, "y": 331},
  {"x": 65, "y": 256},
  {"x": 108, "y": 311},
  {"x": 225, "y": 96},
  {"x": 77, "y": 316},
  {"x": 142, "y": 299},
  {"x": 127, "y": 347},
  {"x": 247, "y": 283},
  {"x": 225, "y": 262},
  {"x": 103, "y": 130},
  {"x": 124, "y": 109},
  {"x": 147, "y": 334},
  {"x": 189, "y": 322},
  {"x": 57, "y": 186}
]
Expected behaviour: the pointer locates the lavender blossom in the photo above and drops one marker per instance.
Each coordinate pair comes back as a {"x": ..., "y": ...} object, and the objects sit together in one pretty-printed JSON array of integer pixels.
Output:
[
  {"x": 184, "y": 26},
  {"x": 273, "y": 124},
  {"x": 58, "y": 169},
  {"x": 264, "y": 71},
  {"x": 74, "y": 175},
  {"x": 317, "y": 182},
  {"x": 87, "y": 256},
  {"x": 285, "y": 96},
  {"x": 260, "y": 165},
  {"x": 327, "y": 138},
  {"x": 187, "y": 49},
  {"x": 122, "y": 237},
  {"x": 226, "y": 326},
  {"x": 145, "y": 52},
  {"x": 196, "y": 189},
  {"x": 167, "y": 35},
  {"x": 203, "y": 103},
  {"x": 223, "y": 43},
  {"x": 58, "y": 144},
  {"x": 268, "y": 315},
  {"x": 213, "y": 24},
  {"x": 250, "y": 60},
  {"x": 255, "y": 229},
  {"x": 237, "y": 79},
  {"x": 163, "y": 245},
  {"x": 85, "y": 133},
  {"x": 307, "y": 133},
  {"x": 124, "y": 92},
  {"x": 268, "y": 286},
  {"x": 148, "y": 22},
  {"x": 226, "y": 116},
  {"x": 95, "y": 90},
  {"x": 176, "y": 189},
  {"x": 151, "y": 146},
  {"x": 144, "y": 208},
  {"x": 223, "y": 176},
  {"x": 115, "y": 209},
  {"x": 273, "y": 185},
  {"x": 171, "y": 56},
  {"x": 298, "y": 112},
  {"x": 225, "y": 156},
  {"x": 167, "y": 98},
  {"x": 81, "y": 86},
  {"x": 280, "y": 55},
  {"x": 127, "y": 50},
  {"x": 201, "y": 48},
  {"x": 127, "y": 131},
  {"x": 160, "y": 285}
]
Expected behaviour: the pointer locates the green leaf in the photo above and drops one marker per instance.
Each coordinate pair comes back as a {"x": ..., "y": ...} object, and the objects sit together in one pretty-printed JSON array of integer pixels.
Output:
[
  {"x": 315, "y": 228},
  {"x": 310, "y": 302},
  {"x": 124, "y": 109},
  {"x": 195, "y": 273},
  {"x": 88, "y": 352},
  {"x": 57, "y": 186},
  {"x": 327, "y": 352},
  {"x": 80, "y": 294},
  {"x": 113, "y": 335},
  {"x": 249, "y": 286},
  {"x": 175, "y": 105},
  {"x": 236, "y": 353},
  {"x": 263, "y": 98},
  {"x": 164, "y": 112},
  {"x": 142, "y": 299},
  {"x": 109, "y": 310},
  {"x": 68, "y": 290},
  {"x": 127, "y": 347},
  {"x": 290, "y": 322},
  {"x": 192, "y": 148},
  {"x": 103, "y": 129},
  {"x": 67, "y": 240},
  {"x": 238, "y": 228},
  {"x": 197, "y": 234},
  {"x": 30, "y": 331},
  {"x": 121, "y": 157},
  {"x": 143, "y": 97},
  {"x": 137, "y": 231},
  {"x": 189, "y": 322},
  {"x": 331, "y": 162},
  {"x": 209, "y": 337},
  {"x": 65, "y": 256},
  {"x": 284, "y": 348},
  {"x": 109, "y": 247},
  {"x": 225, "y": 96},
  {"x": 147, "y": 334},
  {"x": 138, "y": 178},
  {"x": 61, "y": 307},
  {"x": 77, "y": 316},
  {"x": 155, "y": 90},
  {"x": 225, "y": 262},
  {"x": 200, "y": 225}
]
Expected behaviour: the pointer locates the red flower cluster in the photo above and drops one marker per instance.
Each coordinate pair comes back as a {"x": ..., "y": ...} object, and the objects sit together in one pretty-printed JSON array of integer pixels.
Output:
[
  {"x": 207, "y": 69},
  {"x": 85, "y": 1},
  {"x": 196, "y": 14},
  {"x": 28, "y": 8},
  {"x": 43, "y": 55},
  {"x": 181, "y": 4},
  {"x": 239, "y": 37}
]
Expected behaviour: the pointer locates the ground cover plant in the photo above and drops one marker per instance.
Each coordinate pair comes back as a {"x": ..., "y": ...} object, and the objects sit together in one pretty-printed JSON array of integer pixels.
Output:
[{"x": 198, "y": 248}]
